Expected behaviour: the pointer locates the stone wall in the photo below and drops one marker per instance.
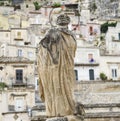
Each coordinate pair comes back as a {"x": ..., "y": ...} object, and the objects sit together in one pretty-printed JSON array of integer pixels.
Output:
[
  {"x": 97, "y": 92},
  {"x": 15, "y": 116}
]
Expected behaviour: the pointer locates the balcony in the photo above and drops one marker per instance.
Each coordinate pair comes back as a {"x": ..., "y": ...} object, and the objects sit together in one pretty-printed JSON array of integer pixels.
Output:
[
  {"x": 22, "y": 85},
  {"x": 90, "y": 62},
  {"x": 12, "y": 108},
  {"x": 86, "y": 64},
  {"x": 19, "y": 84},
  {"x": 115, "y": 40},
  {"x": 18, "y": 39}
]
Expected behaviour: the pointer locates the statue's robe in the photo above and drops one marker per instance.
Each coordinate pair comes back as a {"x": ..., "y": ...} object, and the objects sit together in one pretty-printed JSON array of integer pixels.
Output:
[{"x": 56, "y": 72}]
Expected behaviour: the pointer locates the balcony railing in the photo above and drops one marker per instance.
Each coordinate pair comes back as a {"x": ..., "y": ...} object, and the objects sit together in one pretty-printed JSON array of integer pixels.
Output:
[
  {"x": 18, "y": 39},
  {"x": 87, "y": 63},
  {"x": 20, "y": 84}
]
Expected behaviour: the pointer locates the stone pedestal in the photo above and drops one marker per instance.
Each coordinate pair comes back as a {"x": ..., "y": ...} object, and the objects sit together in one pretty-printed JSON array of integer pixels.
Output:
[
  {"x": 66, "y": 118},
  {"x": 58, "y": 119}
]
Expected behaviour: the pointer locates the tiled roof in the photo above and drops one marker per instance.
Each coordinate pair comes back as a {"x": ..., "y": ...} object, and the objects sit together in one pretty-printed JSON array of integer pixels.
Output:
[{"x": 14, "y": 60}]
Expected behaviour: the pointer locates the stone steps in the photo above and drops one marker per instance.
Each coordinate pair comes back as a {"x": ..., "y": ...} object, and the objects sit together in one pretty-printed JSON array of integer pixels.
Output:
[
  {"x": 99, "y": 108},
  {"x": 104, "y": 116}
]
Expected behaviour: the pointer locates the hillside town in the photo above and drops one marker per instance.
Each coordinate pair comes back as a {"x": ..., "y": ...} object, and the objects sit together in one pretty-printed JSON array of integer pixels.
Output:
[{"x": 96, "y": 26}]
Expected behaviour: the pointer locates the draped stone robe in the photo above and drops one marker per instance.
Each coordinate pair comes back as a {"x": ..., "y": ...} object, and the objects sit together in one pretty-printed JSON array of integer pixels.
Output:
[{"x": 56, "y": 71}]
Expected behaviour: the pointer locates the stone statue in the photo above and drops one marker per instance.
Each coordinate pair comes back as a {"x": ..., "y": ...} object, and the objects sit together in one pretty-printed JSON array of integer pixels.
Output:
[{"x": 56, "y": 69}]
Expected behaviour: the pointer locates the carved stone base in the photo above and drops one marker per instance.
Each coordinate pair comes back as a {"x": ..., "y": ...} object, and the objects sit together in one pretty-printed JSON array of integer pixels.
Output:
[
  {"x": 58, "y": 119},
  {"x": 67, "y": 118},
  {"x": 74, "y": 118}
]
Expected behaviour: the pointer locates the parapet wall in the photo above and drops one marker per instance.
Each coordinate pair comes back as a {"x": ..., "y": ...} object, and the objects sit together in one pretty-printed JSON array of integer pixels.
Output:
[{"x": 97, "y": 92}]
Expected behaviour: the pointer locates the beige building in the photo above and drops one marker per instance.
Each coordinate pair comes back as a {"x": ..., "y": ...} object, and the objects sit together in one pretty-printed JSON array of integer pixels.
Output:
[
  {"x": 17, "y": 71},
  {"x": 19, "y": 95}
]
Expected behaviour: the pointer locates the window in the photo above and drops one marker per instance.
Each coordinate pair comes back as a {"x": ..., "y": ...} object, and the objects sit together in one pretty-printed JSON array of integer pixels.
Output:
[
  {"x": 46, "y": 12},
  {"x": 19, "y": 76},
  {"x": 91, "y": 74},
  {"x": 19, "y": 52},
  {"x": 36, "y": 84},
  {"x": 95, "y": 31},
  {"x": 76, "y": 74},
  {"x": 90, "y": 57},
  {"x": 19, "y": 34},
  {"x": 119, "y": 36},
  {"x": 2, "y": 52},
  {"x": 114, "y": 73},
  {"x": 91, "y": 30},
  {"x": 19, "y": 104},
  {"x": 30, "y": 54},
  {"x": 6, "y": 34}
]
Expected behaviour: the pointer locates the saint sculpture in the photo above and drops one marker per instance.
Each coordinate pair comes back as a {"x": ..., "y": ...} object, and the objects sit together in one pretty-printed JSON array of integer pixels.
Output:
[{"x": 56, "y": 69}]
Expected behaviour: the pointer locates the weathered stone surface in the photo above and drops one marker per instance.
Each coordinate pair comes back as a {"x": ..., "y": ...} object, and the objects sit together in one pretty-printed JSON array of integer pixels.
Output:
[
  {"x": 103, "y": 119},
  {"x": 74, "y": 118},
  {"x": 57, "y": 119},
  {"x": 67, "y": 118},
  {"x": 104, "y": 116},
  {"x": 56, "y": 69},
  {"x": 97, "y": 92}
]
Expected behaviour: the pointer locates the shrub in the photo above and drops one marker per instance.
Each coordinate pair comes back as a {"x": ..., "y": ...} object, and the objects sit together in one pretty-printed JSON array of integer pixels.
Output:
[
  {"x": 27, "y": 6},
  {"x": 103, "y": 76},
  {"x": 37, "y": 6},
  {"x": 55, "y": 5},
  {"x": 1, "y": 3},
  {"x": 2, "y": 85}
]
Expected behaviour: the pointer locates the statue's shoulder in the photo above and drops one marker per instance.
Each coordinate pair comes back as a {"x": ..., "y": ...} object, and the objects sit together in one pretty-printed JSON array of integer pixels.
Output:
[
  {"x": 52, "y": 30},
  {"x": 68, "y": 32}
]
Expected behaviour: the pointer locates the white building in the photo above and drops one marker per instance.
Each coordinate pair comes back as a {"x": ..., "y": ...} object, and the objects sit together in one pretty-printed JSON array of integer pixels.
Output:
[
  {"x": 90, "y": 31},
  {"x": 109, "y": 60},
  {"x": 87, "y": 63},
  {"x": 113, "y": 40}
]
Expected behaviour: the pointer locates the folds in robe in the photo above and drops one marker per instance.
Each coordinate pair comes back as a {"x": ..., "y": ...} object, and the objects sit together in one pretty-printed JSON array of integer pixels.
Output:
[{"x": 56, "y": 72}]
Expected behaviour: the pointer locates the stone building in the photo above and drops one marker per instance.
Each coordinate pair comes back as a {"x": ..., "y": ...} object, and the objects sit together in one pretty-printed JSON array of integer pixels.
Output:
[
  {"x": 90, "y": 31},
  {"x": 110, "y": 56},
  {"x": 112, "y": 40},
  {"x": 17, "y": 63},
  {"x": 18, "y": 60}
]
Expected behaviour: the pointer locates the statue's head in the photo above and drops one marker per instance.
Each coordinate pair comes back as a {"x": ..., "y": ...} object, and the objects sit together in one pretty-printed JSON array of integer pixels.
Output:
[{"x": 63, "y": 20}]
